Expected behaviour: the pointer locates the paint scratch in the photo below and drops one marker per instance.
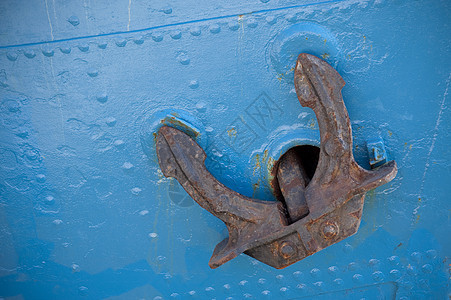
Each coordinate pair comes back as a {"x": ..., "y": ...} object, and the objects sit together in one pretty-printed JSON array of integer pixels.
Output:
[
  {"x": 129, "y": 14},
  {"x": 60, "y": 106},
  {"x": 50, "y": 22},
  {"x": 434, "y": 138}
]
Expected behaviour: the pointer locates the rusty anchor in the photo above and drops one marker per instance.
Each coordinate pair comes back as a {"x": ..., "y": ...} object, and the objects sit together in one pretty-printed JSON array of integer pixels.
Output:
[{"x": 314, "y": 213}]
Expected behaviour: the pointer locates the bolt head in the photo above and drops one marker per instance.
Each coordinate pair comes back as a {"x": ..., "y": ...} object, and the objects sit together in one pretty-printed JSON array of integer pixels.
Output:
[
  {"x": 330, "y": 229},
  {"x": 287, "y": 249}
]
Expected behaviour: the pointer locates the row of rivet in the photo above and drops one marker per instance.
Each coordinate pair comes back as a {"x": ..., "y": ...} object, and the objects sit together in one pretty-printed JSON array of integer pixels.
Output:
[
  {"x": 357, "y": 278},
  {"x": 157, "y": 37}
]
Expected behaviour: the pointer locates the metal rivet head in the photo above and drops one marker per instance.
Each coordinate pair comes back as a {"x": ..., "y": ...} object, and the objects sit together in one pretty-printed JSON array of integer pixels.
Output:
[
  {"x": 287, "y": 249},
  {"x": 330, "y": 229}
]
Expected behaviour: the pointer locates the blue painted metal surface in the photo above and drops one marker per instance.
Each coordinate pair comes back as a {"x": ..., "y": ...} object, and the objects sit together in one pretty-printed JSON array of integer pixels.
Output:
[{"x": 84, "y": 209}]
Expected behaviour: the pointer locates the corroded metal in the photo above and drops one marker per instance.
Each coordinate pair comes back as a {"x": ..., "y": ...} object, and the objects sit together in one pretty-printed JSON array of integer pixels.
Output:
[{"x": 316, "y": 213}]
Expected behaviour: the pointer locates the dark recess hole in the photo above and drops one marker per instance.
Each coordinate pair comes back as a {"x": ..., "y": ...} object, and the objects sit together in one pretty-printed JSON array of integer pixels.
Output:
[{"x": 308, "y": 156}]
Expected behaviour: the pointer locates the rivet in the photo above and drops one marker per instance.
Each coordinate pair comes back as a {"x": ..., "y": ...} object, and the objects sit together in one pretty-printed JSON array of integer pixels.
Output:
[
  {"x": 215, "y": 28},
  {"x": 201, "y": 107},
  {"x": 167, "y": 10},
  {"x": 139, "y": 41},
  {"x": 195, "y": 31},
  {"x": 48, "y": 52},
  {"x": 110, "y": 121},
  {"x": 65, "y": 50},
  {"x": 271, "y": 20},
  {"x": 233, "y": 25},
  {"x": 330, "y": 229},
  {"x": 57, "y": 222},
  {"x": 291, "y": 18},
  {"x": 101, "y": 45},
  {"x": 284, "y": 290},
  {"x": 177, "y": 34},
  {"x": 315, "y": 272},
  {"x": 357, "y": 278},
  {"x": 93, "y": 73},
  {"x": 119, "y": 143},
  {"x": 301, "y": 287},
  {"x": 12, "y": 56},
  {"x": 157, "y": 37},
  {"x": 333, "y": 270},
  {"x": 395, "y": 273},
  {"x": 136, "y": 191},
  {"x": 75, "y": 268},
  {"x": 102, "y": 98},
  {"x": 373, "y": 262},
  {"x": 74, "y": 20},
  {"x": 194, "y": 84},
  {"x": 29, "y": 54},
  {"x": 378, "y": 276},
  {"x": 243, "y": 284},
  {"x": 183, "y": 58},
  {"x": 266, "y": 293},
  {"x": 394, "y": 260},
  {"x": 85, "y": 47},
  {"x": 251, "y": 23},
  {"x": 287, "y": 249},
  {"x": 40, "y": 178},
  {"x": 348, "y": 248},
  {"x": 49, "y": 199},
  {"x": 121, "y": 43},
  {"x": 127, "y": 166},
  {"x": 416, "y": 257},
  {"x": 319, "y": 285},
  {"x": 83, "y": 291},
  {"x": 297, "y": 275},
  {"x": 338, "y": 281},
  {"x": 227, "y": 287}
]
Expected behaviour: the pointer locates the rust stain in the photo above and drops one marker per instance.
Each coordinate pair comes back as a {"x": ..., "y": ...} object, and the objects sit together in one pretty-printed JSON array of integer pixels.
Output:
[
  {"x": 255, "y": 187},
  {"x": 265, "y": 155},
  {"x": 232, "y": 132},
  {"x": 257, "y": 163},
  {"x": 312, "y": 123},
  {"x": 399, "y": 245},
  {"x": 356, "y": 214}
]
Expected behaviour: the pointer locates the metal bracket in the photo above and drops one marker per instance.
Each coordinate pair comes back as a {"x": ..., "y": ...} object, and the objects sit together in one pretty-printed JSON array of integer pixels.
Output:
[{"x": 316, "y": 213}]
